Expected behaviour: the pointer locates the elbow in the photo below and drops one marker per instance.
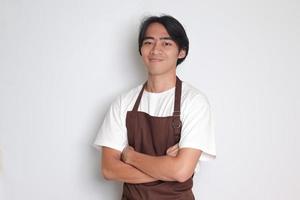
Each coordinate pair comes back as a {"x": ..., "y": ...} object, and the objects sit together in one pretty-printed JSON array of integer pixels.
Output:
[
  {"x": 106, "y": 174},
  {"x": 183, "y": 175}
]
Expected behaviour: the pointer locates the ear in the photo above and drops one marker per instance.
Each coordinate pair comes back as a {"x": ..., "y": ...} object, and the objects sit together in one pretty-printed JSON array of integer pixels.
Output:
[{"x": 182, "y": 53}]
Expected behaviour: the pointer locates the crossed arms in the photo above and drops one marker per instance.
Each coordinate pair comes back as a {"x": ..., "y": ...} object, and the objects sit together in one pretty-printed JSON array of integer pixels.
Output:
[{"x": 134, "y": 167}]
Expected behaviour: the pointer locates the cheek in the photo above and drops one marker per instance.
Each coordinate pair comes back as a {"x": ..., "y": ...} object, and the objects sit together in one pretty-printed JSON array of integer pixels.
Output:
[
  {"x": 143, "y": 52},
  {"x": 173, "y": 54},
  {"x": 144, "y": 57}
]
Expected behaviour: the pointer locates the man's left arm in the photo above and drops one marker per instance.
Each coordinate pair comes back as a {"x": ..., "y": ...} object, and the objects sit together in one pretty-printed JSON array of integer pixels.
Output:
[{"x": 167, "y": 168}]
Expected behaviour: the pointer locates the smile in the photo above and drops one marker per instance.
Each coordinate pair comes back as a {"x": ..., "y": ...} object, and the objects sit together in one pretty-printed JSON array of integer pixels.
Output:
[{"x": 155, "y": 60}]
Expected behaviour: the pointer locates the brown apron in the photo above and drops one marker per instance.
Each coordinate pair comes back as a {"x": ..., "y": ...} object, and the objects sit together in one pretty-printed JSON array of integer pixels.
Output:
[{"x": 153, "y": 136}]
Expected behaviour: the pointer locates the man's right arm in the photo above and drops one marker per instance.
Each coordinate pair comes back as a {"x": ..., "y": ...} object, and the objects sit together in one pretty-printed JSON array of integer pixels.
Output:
[{"x": 115, "y": 169}]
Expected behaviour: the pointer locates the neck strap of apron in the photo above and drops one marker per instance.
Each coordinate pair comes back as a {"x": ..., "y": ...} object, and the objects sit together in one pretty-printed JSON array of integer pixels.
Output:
[{"x": 177, "y": 97}]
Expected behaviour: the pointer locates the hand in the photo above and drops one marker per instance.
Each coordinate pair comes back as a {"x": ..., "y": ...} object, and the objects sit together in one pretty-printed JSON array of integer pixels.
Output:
[
  {"x": 173, "y": 150},
  {"x": 125, "y": 153}
]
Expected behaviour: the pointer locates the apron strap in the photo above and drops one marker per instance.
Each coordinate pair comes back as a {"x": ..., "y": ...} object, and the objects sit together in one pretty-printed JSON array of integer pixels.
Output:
[
  {"x": 177, "y": 97},
  {"x": 176, "y": 123},
  {"x": 137, "y": 102}
]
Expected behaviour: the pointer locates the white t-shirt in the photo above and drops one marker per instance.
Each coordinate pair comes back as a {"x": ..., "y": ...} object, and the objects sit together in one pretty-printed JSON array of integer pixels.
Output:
[{"x": 197, "y": 123}]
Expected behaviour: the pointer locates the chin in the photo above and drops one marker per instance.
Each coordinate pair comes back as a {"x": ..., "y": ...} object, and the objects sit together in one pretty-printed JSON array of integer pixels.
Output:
[
  {"x": 156, "y": 72},
  {"x": 153, "y": 72},
  {"x": 157, "y": 69}
]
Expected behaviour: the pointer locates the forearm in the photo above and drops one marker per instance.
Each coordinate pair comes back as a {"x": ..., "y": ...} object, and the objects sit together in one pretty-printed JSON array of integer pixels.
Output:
[
  {"x": 168, "y": 168},
  {"x": 164, "y": 168},
  {"x": 115, "y": 169},
  {"x": 123, "y": 172}
]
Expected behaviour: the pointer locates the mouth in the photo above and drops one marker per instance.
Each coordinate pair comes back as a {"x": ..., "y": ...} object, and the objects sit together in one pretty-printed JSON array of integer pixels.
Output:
[{"x": 155, "y": 60}]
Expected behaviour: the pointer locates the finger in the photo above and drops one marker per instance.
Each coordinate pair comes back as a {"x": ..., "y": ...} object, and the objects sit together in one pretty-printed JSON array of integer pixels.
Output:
[
  {"x": 174, "y": 151},
  {"x": 176, "y": 146},
  {"x": 130, "y": 147},
  {"x": 172, "y": 154},
  {"x": 173, "y": 147},
  {"x": 124, "y": 149},
  {"x": 169, "y": 150}
]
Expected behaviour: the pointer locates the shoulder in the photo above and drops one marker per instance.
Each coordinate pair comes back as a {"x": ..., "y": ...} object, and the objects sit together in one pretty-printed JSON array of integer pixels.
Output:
[
  {"x": 126, "y": 99},
  {"x": 130, "y": 94},
  {"x": 193, "y": 96}
]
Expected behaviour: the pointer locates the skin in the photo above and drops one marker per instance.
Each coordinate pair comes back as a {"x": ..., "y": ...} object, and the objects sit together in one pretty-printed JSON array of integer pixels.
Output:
[{"x": 159, "y": 54}]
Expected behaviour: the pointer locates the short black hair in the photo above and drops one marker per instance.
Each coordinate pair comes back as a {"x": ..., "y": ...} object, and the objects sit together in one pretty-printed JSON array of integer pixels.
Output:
[{"x": 174, "y": 29}]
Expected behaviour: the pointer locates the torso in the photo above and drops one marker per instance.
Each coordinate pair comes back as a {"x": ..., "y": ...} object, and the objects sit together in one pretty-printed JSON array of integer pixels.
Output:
[{"x": 153, "y": 135}]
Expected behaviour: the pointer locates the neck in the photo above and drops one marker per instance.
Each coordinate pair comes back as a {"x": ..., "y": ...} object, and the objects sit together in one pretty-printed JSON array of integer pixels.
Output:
[{"x": 160, "y": 83}]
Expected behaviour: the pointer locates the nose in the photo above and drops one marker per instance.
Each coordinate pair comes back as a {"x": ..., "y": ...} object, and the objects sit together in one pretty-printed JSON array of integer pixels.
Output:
[{"x": 156, "y": 49}]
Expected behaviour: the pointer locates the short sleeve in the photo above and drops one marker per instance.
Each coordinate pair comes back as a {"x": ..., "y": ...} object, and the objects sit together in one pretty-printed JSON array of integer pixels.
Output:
[
  {"x": 197, "y": 128},
  {"x": 112, "y": 132}
]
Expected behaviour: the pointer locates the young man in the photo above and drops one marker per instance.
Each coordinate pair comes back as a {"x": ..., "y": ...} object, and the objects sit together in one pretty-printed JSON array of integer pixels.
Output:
[{"x": 154, "y": 135}]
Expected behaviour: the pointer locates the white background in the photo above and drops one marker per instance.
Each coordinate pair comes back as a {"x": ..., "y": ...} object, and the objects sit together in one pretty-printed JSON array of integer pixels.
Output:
[{"x": 62, "y": 62}]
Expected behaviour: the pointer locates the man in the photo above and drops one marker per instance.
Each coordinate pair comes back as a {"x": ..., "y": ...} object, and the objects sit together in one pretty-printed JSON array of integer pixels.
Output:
[{"x": 154, "y": 135}]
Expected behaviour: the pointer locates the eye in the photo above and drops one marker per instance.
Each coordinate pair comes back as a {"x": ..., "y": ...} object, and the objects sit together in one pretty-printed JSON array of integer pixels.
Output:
[
  {"x": 147, "y": 42},
  {"x": 167, "y": 44}
]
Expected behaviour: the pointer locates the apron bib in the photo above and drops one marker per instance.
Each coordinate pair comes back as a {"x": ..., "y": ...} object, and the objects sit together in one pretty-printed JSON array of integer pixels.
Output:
[{"x": 153, "y": 136}]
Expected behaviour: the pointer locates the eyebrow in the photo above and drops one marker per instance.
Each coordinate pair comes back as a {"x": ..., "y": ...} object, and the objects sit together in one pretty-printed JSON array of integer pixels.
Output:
[{"x": 162, "y": 38}]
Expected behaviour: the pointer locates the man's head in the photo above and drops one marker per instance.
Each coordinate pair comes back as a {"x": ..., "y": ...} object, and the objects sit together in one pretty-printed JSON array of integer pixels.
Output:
[{"x": 174, "y": 33}]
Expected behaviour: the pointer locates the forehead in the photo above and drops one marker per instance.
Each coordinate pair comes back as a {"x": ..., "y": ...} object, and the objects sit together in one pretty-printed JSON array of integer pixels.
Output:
[{"x": 156, "y": 30}]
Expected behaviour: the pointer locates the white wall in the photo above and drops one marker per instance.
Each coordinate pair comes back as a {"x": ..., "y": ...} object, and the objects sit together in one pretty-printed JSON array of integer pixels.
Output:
[{"x": 63, "y": 62}]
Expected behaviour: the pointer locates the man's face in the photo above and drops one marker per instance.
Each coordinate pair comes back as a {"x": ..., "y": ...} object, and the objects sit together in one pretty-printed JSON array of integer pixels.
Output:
[{"x": 159, "y": 51}]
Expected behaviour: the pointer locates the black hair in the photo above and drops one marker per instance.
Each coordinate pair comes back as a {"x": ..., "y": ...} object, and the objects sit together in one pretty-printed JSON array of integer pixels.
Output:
[{"x": 174, "y": 29}]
